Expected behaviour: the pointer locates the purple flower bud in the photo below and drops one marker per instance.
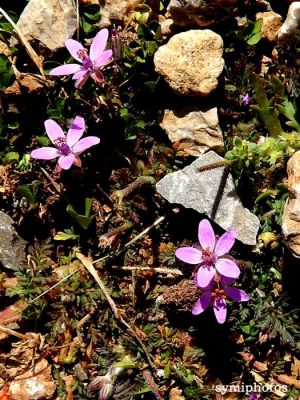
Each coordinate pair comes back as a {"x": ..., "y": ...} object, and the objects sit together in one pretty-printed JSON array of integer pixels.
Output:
[
  {"x": 245, "y": 99},
  {"x": 116, "y": 44}
]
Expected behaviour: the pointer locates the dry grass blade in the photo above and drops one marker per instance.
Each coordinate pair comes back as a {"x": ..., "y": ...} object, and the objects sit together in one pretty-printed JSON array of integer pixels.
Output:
[
  {"x": 31, "y": 52},
  {"x": 12, "y": 332},
  {"x": 52, "y": 181},
  {"x": 168, "y": 271}
]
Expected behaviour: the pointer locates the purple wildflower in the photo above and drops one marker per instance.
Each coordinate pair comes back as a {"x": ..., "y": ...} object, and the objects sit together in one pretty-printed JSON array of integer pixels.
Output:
[
  {"x": 245, "y": 99},
  {"x": 215, "y": 295},
  {"x": 209, "y": 257},
  {"x": 67, "y": 147},
  {"x": 90, "y": 63}
]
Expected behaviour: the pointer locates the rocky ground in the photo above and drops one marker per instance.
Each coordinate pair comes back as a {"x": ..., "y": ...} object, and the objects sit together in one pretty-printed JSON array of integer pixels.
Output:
[{"x": 149, "y": 199}]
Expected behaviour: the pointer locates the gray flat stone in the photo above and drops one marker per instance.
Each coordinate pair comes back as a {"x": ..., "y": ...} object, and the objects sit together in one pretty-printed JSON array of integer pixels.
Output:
[
  {"x": 12, "y": 247},
  {"x": 211, "y": 192}
]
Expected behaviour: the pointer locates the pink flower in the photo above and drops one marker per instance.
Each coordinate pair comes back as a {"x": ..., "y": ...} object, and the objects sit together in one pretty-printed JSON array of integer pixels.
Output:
[
  {"x": 67, "y": 147},
  {"x": 215, "y": 295},
  {"x": 91, "y": 63},
  {"x": 209, "y": 258}
]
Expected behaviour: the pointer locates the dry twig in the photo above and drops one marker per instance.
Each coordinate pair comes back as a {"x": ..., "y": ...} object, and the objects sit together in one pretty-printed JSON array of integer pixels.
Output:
[
  {"x": 89, "y": 266},
  {"x": 31, "y": 52}
]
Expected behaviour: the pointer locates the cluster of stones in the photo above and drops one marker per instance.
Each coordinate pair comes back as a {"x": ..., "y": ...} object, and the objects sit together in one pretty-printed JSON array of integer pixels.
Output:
[{"x": 191, "y": 63}]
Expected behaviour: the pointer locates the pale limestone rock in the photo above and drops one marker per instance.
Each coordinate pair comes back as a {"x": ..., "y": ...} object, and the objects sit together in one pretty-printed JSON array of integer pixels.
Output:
[
  {"x": 116, "y": 11},
  {"x": 271, "y": 24},
  {"x": 51, "y": 22},
  {"x": 195, "y": 130},
  {"x": 291, "y": 214},
  {"x": 87, "y": 2},
  {"x": 35, "y": 384},
  {"x": 191, "y": 62},
  {"x": 291, "y": 23},
  {"x": 202, "y": 13},
  {"x": 211, "y": 192}
]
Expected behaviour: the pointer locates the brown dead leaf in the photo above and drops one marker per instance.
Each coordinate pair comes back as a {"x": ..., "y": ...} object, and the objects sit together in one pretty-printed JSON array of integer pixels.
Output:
[
  {"x": 176, "y": 394},
  {"x": 28, "y": 83},
  {"x": 69, "y": 386},
  {"x": 9, "y": 283},
  {"x": 139, "y": 332},
  {"x": 4, "y": 49},
  {"x": 288, "y": 380},
  {"x": 36, "y": 383},
  {"x": 296, "y": 367},
  {"x": 12, "y": 313},
  {"x": 67, "y": 338}
]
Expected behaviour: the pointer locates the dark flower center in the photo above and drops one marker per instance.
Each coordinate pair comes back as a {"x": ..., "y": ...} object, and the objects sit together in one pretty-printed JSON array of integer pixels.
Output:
[
  {"x": 64, "y": 149},
  {"x": 208, "y": 256},
  {"x": 86, "y": 61},
  {"x": 218, "y": 293}
]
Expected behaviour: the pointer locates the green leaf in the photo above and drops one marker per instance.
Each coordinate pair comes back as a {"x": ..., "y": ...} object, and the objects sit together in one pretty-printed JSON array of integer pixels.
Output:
[
  {"x": 29, "y": 192},
  {"x": 11, "y": 157},
  {"x": 253, "y": 32},
  {"x": 83, "y": 220},
  {"x": 229, "y": 155},
  {"x": 254, "y": 39},
  {"x": 246, "y": 329},
  {"x": 140, "y": 124},
  {"x": 6, "y": 72},
  {"x": 88, "y": 205},
  {"x": 43, "y": 140},
  {"x": 126, "y": 363},
  {"x": 68, "y": 234},
  {"x": 167, "y": 371},
  {"x": 57, "y": 111},
  {"x": 267, "y": 114},
  {"x": 92, "y": 12}
]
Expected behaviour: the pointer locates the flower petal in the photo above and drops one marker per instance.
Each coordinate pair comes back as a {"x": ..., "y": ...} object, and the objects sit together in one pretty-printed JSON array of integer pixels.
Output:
[
  {"x": 85, "y": 144},
  {"x": 80, "y": 74},
  {"x": 220, "y": 310},
  {"x": 104, "y": 59},
  {"x": 189, "y": 255},
  {"x": 65, "y": 162},
  {"x": 76, "y": 131},
  {"x": 227, "y": 268},
  {"x": 53, "y": 130},
  {"x": 98, "y": 45},
  {"x": 225, "y": 242},
  {"x": 74, "y": 47},
  {"x": 206, "y": 235},
  {"x": 236, "y": 294},
  {"x": 45, "y": 153},
  {"x": 225, "y": 281},
  {"x": 97, "y": 76},
  {"x": 66, "y": 69},
  {"x": 202, "y": 303},
  {"x": 205, "y": 275}
]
